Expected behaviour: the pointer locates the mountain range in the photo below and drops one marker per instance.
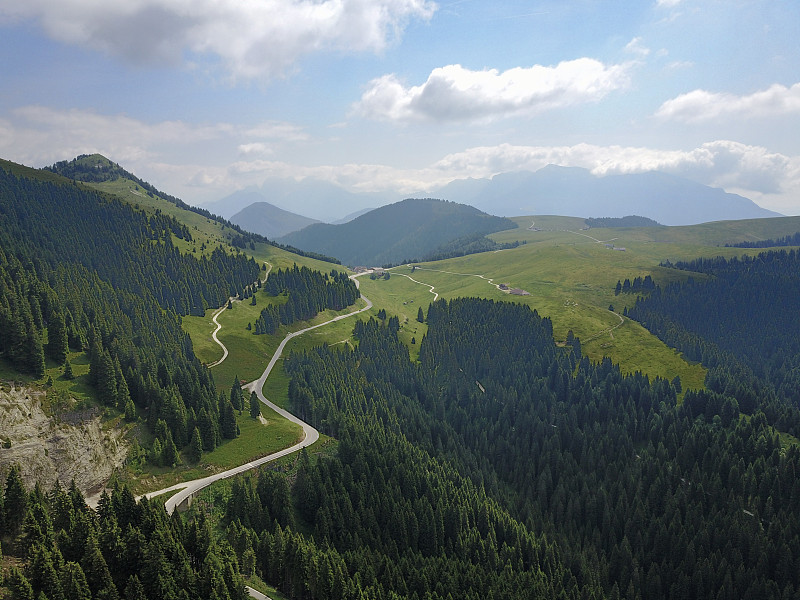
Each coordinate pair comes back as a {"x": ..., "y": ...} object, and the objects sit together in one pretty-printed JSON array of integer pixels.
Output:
[{"x": 568, "y": 191}]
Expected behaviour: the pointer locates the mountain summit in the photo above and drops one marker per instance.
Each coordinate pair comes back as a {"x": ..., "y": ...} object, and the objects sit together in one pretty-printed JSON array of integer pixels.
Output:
[{"x": 410, "y": 229}]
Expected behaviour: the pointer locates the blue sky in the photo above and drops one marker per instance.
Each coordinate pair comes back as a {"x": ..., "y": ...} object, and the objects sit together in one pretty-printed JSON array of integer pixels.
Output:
[{"x": 204, "y": 97}]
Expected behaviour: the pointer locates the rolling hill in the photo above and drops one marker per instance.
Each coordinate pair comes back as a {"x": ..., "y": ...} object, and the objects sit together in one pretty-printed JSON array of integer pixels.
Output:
[{"x": 410, "y": 229}]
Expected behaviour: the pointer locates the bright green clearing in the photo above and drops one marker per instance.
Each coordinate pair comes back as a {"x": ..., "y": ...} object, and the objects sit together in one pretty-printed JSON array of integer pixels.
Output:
[{"x": 570, "y": 274}]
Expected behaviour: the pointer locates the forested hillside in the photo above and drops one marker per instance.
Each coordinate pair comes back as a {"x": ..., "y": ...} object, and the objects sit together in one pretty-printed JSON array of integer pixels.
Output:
[
  {"x": 125, "y": 549},
  {"x": 502, "y": 466},
  {"x": 80, "y": 271},
  {"x": 408, "y": 230},
  {"x": 307, "y": 293},
  {"x": 98, "y": 171},
  {"x": 742, "y": 323}
]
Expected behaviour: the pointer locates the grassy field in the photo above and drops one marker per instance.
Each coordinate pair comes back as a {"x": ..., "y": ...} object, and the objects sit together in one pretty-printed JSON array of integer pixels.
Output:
[
  {"x": 249, "y": 353},
  {"x": 571, "y": 273},
  {"x": 255, "y": 440}
]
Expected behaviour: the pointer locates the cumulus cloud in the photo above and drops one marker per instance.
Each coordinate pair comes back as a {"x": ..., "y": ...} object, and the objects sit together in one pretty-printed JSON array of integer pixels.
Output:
[
  {"x": 701, "y": 105},
  {"x": 455, "y": 93},
  {"x": 251, "y": 39},
  {"x": 771, "y": 179},
  {"x": 176, "y": 156},
  {"x": 204, "y": 162}
]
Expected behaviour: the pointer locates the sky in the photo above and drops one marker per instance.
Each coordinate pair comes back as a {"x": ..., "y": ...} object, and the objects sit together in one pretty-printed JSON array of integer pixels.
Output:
[{"x": 205, "y": 97}]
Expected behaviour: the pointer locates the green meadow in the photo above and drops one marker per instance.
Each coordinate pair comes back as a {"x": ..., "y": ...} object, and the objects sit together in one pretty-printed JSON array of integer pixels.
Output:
[{"x": 570, "y": 274}]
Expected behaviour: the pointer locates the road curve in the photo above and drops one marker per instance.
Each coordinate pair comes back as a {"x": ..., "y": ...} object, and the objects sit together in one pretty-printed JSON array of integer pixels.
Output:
[
  {"x": 219, "y": 325},
  {"x": 310, "y": 435}
]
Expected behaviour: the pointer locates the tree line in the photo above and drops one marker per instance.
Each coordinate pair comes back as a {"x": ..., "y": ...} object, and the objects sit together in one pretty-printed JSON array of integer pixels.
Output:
[
  {"x": 500, "y": 465},
  {"x": 81, "y": 271},
  {"x": 124, "y": 549},
  {"x": 307, "y": 292}
]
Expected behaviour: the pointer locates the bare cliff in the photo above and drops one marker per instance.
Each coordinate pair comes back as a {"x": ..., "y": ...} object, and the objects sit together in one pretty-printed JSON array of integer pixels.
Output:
[{"x": 51, "y": 445}]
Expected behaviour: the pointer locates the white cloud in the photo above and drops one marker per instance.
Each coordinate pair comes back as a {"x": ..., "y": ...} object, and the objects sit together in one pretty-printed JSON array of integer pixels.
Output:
[
  {"x": 635, "y": 46},
  {"x": 204, "y": 162},
  {"x": 251, "y": 39},
  {"x": 454, "y": 93},
  {"x": 771, "y": 179},
  {"x": 701, "y": 105},
  {"x": 667, "y": 3}
]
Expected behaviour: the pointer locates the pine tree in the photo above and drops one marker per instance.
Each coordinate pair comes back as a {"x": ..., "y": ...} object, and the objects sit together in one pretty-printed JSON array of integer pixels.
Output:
[
  {"x": 15, "y": 500},
  {"x": 195, "y": 451},
  {"x": 255, "y": 406},
  {"x": 420, "y": 315},
  {"x": 68, "y": 374},
  {"x": 57, "y": 347},
  {"x": 237, "y": 395}
]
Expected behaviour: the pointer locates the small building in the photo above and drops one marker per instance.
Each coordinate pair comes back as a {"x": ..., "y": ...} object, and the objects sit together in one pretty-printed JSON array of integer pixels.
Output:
[
  {"x": 519, "y": 292},
  {"x": 503, "y": 286}
]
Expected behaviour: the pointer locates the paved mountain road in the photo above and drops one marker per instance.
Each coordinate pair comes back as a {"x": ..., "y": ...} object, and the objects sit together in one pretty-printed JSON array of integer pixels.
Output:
[{"x": 187, "y": 489}]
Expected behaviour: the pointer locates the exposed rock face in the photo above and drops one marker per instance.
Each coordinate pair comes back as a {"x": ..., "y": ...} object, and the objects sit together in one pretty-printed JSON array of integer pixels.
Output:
[{"x": 71, "y": 445}]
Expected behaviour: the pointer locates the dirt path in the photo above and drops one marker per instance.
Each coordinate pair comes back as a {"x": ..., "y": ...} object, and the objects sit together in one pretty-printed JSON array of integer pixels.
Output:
[
  {"x": 219, "y": 325},
  {"x": 607, "y": 331},
  {"x": 435, "y": 294},
  {"x": 490, "y": 280}
]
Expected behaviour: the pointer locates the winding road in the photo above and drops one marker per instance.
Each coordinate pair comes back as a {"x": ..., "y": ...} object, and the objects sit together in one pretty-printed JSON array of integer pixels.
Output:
[
  {"x": 219, "y": 325},
  {"x": 187, "y": 489}
]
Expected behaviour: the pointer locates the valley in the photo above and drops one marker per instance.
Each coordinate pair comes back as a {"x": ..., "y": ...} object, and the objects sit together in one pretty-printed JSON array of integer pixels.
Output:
[{"x": 435, "y": 377}]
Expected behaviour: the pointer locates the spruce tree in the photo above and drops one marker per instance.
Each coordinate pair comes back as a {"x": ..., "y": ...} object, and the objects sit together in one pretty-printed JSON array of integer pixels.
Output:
[
  {"x": 106, "y": 380},
  {"x": 420, "y": 315},
  {"x": 195, "y": 451},
  {"x": 15, "y": 500},
  {"x": 73, "y": 582},
  {"x": 227, "y": 419},
  {"x": 123, "y": 394},
  {"x": 57, "y": 338},
  {"x": 68, "y": 374},
  {"x": 255, "y": 406},
  {"x": 21, "y": 588},
  {"x": 237, "y": 395},
  {"x": 34, "y": 354},
  {"x": 130, "y": 411}
]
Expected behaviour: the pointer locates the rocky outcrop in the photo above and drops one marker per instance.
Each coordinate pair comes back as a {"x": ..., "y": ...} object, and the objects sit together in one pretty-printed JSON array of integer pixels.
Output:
[{"x": 63, "y": 446}]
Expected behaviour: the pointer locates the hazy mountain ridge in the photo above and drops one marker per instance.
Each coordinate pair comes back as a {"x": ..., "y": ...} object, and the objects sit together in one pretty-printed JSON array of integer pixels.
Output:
[
  {"x": 408, "y": 229},
  {"x": 573, "y": 191},
  {"x": 552, "y": 190},
  {"x": 321, "y": 200},
  {"x": 270, "y": 221}
]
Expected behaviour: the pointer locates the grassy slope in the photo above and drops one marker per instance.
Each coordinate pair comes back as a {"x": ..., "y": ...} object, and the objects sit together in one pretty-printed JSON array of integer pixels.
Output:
[{"x": 571, "y": 278}]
